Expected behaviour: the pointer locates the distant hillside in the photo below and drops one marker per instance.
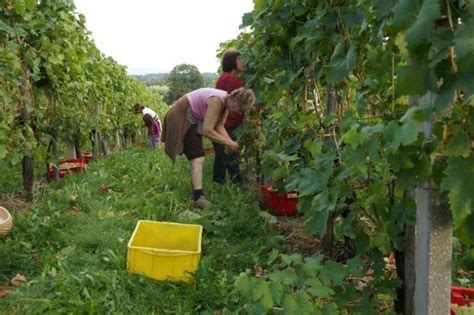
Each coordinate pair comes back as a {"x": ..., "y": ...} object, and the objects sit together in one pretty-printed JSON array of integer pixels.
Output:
[
  {"x": 160, "y": 78},
  {"x": 209, "y": 78},
  {"x": 152, "y": 78}
]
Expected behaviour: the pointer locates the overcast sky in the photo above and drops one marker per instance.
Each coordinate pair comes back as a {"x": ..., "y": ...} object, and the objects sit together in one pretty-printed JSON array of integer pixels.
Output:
[{"x": 151, "y": 36}]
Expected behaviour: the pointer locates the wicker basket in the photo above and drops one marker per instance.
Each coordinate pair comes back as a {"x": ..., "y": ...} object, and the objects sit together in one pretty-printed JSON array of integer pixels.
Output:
[{"x": 6, "y": 221}]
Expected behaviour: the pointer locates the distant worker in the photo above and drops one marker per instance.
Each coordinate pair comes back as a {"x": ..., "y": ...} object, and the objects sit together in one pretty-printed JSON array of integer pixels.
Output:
[
  {"x": 140, "y": 109},
  {"x": 154, "y": 131},
  {"x": 232, "y": 65},
  {"x": 201, "y": 112}
]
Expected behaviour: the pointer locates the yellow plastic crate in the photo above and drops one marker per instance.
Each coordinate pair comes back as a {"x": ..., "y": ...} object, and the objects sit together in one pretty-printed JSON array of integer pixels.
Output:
[{"x": 165, "y": 250}]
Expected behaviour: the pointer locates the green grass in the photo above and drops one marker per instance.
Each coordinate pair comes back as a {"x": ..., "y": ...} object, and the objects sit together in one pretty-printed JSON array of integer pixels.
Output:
[
  {"x": 71, "y": 244},
  {"x": 10, "y": 178}
]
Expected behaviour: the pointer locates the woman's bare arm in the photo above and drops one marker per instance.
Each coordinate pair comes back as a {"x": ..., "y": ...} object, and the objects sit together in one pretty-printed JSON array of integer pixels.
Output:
[{"x": 213, "y": 126}]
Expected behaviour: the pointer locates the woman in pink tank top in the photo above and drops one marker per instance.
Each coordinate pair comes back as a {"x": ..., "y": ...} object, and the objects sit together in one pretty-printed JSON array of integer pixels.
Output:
[
  {"x": 201, "y": 112},
  {"x": 198, "y": 100}
]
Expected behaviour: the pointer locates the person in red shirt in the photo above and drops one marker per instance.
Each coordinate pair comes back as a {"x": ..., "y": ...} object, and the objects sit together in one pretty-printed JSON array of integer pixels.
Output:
[
  {"x": 232, "y": 66},
  {"x": 154, "y": 131}
]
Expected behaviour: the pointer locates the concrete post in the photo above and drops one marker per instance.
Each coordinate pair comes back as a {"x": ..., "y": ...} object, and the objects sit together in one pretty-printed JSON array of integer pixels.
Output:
[{"x": 433, "y": 244}]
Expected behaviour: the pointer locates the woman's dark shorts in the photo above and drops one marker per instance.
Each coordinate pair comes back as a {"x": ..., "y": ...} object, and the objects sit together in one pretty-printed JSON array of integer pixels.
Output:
[{"x": 193, "y": 144}]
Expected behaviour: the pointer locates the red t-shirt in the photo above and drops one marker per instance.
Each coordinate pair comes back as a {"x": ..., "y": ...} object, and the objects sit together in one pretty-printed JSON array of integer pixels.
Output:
[{"x": 229, "y": 82}]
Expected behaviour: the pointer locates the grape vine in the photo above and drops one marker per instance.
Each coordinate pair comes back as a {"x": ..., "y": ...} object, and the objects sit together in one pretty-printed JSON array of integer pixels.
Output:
[
  {"x": 346, "y": 90},
  {"x": 56, "y": 85}
]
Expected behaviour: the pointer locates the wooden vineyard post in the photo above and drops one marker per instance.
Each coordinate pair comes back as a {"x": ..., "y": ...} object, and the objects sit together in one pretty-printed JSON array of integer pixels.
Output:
[
  {"x": 409, "y": 270},
  {"x": 328, "y": 239},
  {"x": 53, "y": 150},
  {"x": 104, "y": 147},
  {"x": 407, "y": 259},
  {"x": 102, "y": 141},
  {"x": 94, "y": 136},
  {"x": 118, "y": 141},
  {"x": 77, "y": 146},
  {"x": 26, "y": 95},
  {"x": 70, "y": 149}
]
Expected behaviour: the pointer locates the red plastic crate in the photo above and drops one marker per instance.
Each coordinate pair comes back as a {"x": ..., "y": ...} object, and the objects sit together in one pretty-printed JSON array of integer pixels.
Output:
[
  {"x": 87, "y": 157},
  {"x": 284, "y": 204},
  {"x": 67, "y": 166},
  {"x": 461, "y": 296}
]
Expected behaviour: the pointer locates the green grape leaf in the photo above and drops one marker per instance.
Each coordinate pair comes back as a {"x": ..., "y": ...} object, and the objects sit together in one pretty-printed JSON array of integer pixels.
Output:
[
  {"x": 351, "y": 58},
  {"x": 458, "y": 184},
  {"x": 330, "y": 309},
  {"x": 31, "y": 4},
  {"x": 404, "y": 14},
  {"x": 336, "y": 272},
  {"x": 316, "y": 222},
  {"x": 341, "y": 63},
  {"x": 382, "y": 8},
  {"x": 259, "y": 4},
  {"x": 355, "y": 267},
  {"x": 20, "y": 7},
  {"x": 465, "y": 79},
  {"x": 3, "y": 151},
  {"x": 290, "y": 306},
  {"x": 382, "y": 241},
  {"x": 247, "y": 19},
  {"x": 279, "y": 174},
  {"x": 289, "y": 276},
  {"x": 313, "y": 147},
  {"x": 423, "y": 26},
  {"x": 415, "y": 80},
  {"x": 445, "y": 95},
  {"x": 264, "y": 295},
  {"x": 302, "y": 299},
  {"x": 465, "y": 231},
  {"x": 409, "y": 132},
  {"x": 464, "y": 39},
  {"x": 277, "y": 291},
  {"x": 318, "y": 289},
  {"x": 458, "y": 144},
  {"x": 243, "y": 284},
  {"x": 354, "y": 138},
  {"x": 312, "y": 265},
  {"x": 293, "y": 259},
  {"x": 287, "y": 158}
]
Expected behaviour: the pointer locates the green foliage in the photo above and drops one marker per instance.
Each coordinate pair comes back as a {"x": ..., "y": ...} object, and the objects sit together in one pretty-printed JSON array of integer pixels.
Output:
[
  {"x": 182, "y": 79},
  {"x": 56, "y": 85},
  {"x": 71, "y": 244},
  {"x": 305, "y": 286},
  {"x": 457, "y": 182},
  {"x": 336, "y": 83},
  {"x": 415, "y": 79}
]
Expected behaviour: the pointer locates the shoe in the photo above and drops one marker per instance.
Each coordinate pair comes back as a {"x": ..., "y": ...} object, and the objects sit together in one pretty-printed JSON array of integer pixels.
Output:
[{"x": 202, "y": 203}]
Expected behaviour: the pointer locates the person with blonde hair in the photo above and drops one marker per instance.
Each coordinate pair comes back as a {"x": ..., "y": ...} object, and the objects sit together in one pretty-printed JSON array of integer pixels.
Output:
[{"x": 202, "y": 112}]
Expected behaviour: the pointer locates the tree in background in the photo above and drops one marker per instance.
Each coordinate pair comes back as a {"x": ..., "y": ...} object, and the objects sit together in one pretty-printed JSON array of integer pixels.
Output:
[
  {"x": 210, "y": 79},
  {"x": 182, "y": 79},
  {"x": 159, "y": 91}
]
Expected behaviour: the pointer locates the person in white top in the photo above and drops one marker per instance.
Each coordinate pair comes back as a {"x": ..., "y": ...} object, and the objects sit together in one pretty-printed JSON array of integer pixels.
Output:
[{"x": 139, "y": 108}]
